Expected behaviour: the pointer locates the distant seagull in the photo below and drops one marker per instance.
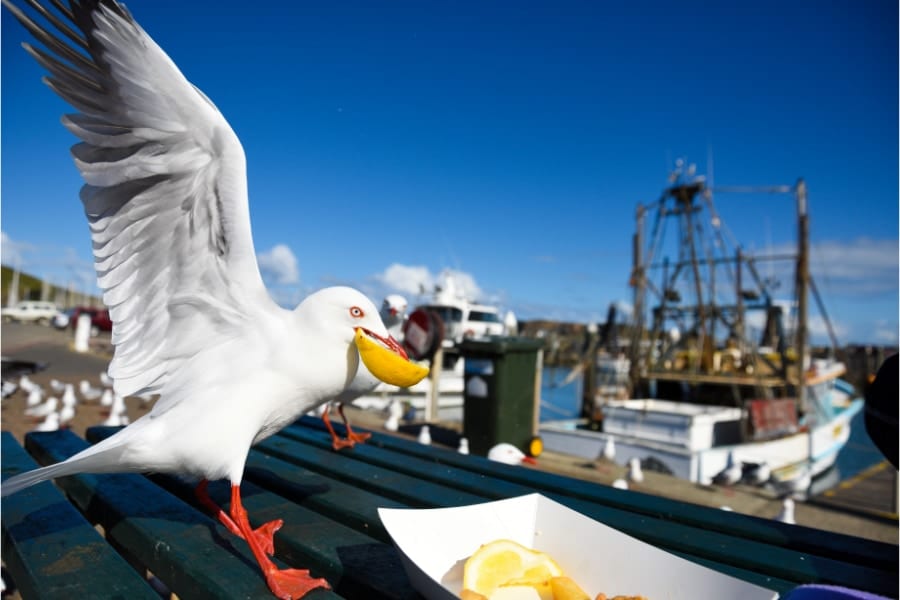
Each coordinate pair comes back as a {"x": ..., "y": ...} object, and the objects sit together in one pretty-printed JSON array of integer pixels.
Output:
[
  {"x": 26, "y": 384},
  {"x": 634, "y": 474},
  {"x": 463, "y": 446},
  {"x": 393, "y": 313},
  {"x": 732, "y": 472},
  {"x": 425, "y": 435},
  {"x": 68, "y": 397},
  {"x": 609, "y": 449},
  {"x": 50, "y": 423},
  {"x": 66, "y": 414},
  {"x": 42, "y": 410},
  {"x": 106, "y": 398},
  {"x": 620, "y": 484},
  {"x": 395, "y": 411},
  {"x": 35, "y": 396},
  {"x": 759, "y": 473},
  {"x": 726, "y": 508},
  {"x": 57, "y": 386},
  {"x": 9, "y": 388},
  {"x": 88, "y": 392},
  {"x": 105, "y": 379},
  {"x": 787, "y": 512},
  {"x": 509, "y": 455}
]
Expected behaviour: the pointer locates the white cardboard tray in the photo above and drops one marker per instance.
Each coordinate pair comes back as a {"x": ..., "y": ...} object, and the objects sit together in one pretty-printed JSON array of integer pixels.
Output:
[{"x": 434, "y": 544}]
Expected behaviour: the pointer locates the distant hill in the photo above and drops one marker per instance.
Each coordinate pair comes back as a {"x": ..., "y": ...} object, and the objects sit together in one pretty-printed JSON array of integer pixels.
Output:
[{"x": 32, "y": 288}]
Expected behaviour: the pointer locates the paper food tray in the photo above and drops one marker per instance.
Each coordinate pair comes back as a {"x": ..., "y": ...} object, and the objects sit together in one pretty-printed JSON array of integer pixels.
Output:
[{"x": 434, "y": 544}]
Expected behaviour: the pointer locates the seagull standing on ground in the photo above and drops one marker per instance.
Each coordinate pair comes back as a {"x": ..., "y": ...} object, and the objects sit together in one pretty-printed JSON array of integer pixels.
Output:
[{"x": 166, "y": 202}]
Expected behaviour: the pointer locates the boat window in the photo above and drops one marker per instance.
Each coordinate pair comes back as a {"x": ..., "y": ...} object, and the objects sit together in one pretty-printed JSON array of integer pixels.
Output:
[
  {"x": 486, "y": 317},
  {"x": 448, "y": 314}
]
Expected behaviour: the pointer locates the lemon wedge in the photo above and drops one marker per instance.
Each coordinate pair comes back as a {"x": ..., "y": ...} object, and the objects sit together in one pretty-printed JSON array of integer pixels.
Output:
[
  {"x": 505, "y": 562},
  {"x": 387, "y": 365}
]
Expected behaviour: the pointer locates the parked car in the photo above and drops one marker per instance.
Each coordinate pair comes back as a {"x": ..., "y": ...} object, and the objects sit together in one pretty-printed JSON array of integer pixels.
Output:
[
  {"x": 30, "y": 311},
  {"x": 100, "y": 320}
]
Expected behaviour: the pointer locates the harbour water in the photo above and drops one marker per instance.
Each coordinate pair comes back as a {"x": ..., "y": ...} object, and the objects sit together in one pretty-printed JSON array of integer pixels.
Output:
[{"x": 562, "y": 400}]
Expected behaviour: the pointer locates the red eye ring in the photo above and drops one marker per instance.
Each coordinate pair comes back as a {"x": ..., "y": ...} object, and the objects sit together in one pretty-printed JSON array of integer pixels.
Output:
[{"x": 356, "y": 312}]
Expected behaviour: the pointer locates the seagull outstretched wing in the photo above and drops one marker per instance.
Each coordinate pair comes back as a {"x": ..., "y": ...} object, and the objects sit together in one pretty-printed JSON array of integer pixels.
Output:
[{"x": 165, "y": 192}]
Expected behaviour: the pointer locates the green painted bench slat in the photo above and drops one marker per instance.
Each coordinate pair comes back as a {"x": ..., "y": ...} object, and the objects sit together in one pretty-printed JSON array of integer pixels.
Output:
[
  {"x": 192, "y": 553},
  {"x": 50, "y": 549},
  {"x": 354, "y": 563}
]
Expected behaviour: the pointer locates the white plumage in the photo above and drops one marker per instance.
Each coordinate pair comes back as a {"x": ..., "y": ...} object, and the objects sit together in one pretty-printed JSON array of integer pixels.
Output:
[
  {"x": 42, "y": 410},
  {"x": 634, "y": 473},
  {"x": 165, "y": 197}
]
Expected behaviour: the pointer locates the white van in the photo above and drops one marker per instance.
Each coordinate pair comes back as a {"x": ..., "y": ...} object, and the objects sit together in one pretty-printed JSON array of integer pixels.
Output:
[{"x": 31, "y": 311}]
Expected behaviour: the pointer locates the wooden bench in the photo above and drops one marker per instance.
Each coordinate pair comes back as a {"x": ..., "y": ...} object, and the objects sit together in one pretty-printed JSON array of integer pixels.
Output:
[{"x": 328, "y": 501}]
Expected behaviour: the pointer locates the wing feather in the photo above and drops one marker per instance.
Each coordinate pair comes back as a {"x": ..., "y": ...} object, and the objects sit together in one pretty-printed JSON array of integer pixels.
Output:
[{"x": 165, "y": 192}]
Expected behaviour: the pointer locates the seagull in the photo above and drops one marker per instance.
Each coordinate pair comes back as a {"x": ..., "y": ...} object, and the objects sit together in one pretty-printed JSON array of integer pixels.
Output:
[
  {"x": 425, "y": 435},
  {"x": 66, "y": 413},
  {"x": 395, "y": 411},
  {"x": 609, "y": 449},
  {"x": 106, "y": 398},
  {"x": 634, "y": 473},
  {"x": 732, "y": 472},
  {"x": 68, "y": 397},
  {"x": 35, "y": 396},
  {"x": 57, "y": 386},
  {"x": 9, "y": 388},
  {"x": 89, "y": 392},
  {"x": 509, "y": 455},
  {"x": 759, "y": 473},
  {"x": 167, "y": 208},
  {"x": 26, "y": 384},
  {"x": 620, "y": 484},
  {"x": 393, "y": 313},
  {"x": 787, "y": 512},
  {"x": 42, "y": 410},
  {"x": 463, "y": 446},
  {"x": 50, "y": 423},
  {"x": 105, "y": 379}
]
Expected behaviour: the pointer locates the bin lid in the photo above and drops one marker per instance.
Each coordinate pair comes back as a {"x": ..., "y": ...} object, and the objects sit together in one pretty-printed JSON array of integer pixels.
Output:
[{"x": 499, "y": 345}]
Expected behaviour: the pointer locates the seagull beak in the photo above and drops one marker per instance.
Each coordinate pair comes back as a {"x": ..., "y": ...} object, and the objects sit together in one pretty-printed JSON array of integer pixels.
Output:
[{"x": 387, "y": 360}]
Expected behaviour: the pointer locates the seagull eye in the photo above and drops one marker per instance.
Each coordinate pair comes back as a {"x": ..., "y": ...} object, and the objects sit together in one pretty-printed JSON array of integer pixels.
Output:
[{"x": 356, "y": 312}]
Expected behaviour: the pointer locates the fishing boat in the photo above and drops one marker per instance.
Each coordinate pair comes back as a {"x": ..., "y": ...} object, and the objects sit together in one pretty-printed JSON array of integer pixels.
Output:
[
  {"x": 450, "y": 318},
  {"x": 716, "y": 379}
]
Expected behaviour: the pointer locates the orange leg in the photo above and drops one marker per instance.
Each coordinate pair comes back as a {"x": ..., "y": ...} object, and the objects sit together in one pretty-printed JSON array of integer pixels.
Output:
[
  {"x": 264, "y": 534},
  {"x": 287, "y": 584},
  {"x": 352, "y": 435},
  {"x": 337, "y": 442}
]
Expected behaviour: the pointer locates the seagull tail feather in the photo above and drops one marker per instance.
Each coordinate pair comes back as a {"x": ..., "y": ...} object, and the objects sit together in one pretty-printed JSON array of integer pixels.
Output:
[{"x": 95, "y": 459}]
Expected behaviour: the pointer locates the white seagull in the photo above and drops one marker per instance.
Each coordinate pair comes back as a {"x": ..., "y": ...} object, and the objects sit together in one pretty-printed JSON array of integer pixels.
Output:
[
  {"x": 509, "y": 455},
  {"x": 166, "y": 202},
  {"x": 42, "y": 410},
  {"x": 634, "y": 473}
]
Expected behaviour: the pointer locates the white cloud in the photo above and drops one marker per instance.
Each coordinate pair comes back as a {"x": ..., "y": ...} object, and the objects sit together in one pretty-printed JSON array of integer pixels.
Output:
[
  {"x": 279, "y": 265},
  {"x": 862, "y": 266},
  {"x": 10, "y": 251},
  {"x": 406, "y": 279},
  {"x": 416, "y": 279}
]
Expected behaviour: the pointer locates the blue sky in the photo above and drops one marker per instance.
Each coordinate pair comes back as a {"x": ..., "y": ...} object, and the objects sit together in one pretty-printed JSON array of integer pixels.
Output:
[{"x": 509, "y": 142}]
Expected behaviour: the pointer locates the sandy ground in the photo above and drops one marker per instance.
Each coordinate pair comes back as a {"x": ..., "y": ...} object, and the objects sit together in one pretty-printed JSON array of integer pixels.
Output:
[{"x": 55, "y": 349}]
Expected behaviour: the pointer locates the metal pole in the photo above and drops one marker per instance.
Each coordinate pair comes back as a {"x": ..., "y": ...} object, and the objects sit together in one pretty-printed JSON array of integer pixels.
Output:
[{"x": 802, "y": 287}]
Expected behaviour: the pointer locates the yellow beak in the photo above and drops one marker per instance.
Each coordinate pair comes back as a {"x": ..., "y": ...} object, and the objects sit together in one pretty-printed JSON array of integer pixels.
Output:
[{"x": 386, "y": 360}]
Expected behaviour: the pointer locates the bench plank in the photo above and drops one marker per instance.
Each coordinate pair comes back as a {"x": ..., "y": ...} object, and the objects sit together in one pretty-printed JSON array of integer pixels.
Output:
[
  {"x": 51, "y": 550},
  {"x": 192, "y": 553},
  {"x": 354, "y": 563}
]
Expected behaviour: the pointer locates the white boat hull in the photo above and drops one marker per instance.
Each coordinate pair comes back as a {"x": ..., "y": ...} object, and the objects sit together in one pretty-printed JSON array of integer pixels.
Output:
[{"x": 789, "y": 457}]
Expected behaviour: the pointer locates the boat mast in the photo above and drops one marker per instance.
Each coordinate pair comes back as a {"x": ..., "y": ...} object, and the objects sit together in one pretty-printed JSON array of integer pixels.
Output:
[{"x": 802, "y": 283}]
